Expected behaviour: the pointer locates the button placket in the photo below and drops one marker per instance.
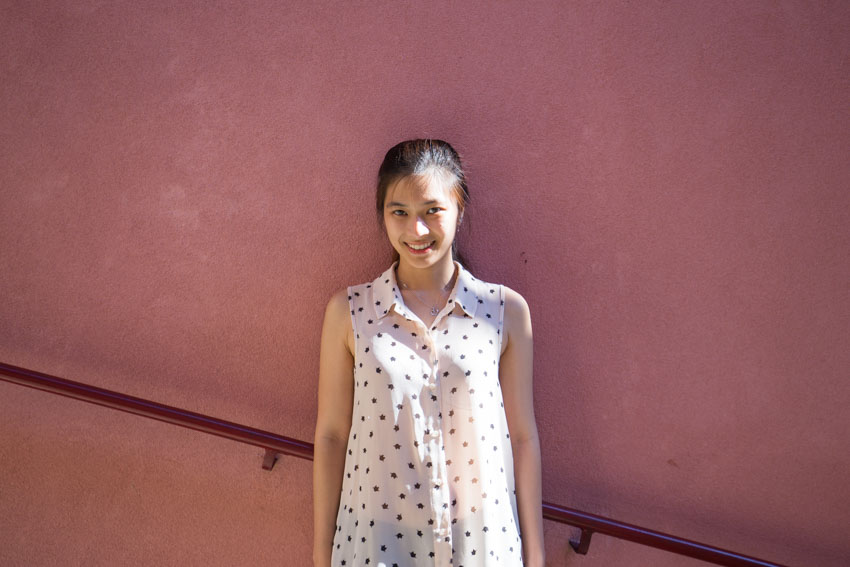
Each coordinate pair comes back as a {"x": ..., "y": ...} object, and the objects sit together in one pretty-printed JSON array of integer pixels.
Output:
[{"x": 441, "y": 496}]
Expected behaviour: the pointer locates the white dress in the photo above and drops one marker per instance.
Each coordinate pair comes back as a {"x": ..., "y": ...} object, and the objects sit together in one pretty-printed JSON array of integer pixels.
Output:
[{"x": 428, "y": 474}]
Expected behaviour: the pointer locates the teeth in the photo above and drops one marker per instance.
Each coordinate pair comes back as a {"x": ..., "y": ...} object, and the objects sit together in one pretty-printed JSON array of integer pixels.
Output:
[{"x": 419, "y": 246}]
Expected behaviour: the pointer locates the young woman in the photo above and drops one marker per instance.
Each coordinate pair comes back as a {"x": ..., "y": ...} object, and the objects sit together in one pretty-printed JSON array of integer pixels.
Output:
[{"x": 426, "y": 448}]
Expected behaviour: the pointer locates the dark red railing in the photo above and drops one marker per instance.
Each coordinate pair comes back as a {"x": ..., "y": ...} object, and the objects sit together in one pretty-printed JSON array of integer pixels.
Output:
[{"x": 275, "y": 445}]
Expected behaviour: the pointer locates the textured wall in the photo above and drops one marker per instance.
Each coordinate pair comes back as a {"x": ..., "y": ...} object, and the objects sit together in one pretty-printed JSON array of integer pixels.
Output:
[{"x": 183, "y": 186}]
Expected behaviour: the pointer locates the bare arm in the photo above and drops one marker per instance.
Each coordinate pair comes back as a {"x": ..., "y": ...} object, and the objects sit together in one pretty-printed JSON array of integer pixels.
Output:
[
  {"x": 515, "y": 375},
  {"x": 336, "y": 397}
]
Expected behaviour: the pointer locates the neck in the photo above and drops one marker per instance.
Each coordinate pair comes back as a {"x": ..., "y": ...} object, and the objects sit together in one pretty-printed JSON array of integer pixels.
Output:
[{"x": 435, "y": 278}]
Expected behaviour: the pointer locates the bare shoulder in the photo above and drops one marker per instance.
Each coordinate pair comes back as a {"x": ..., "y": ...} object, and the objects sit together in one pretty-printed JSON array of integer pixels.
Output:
[
  {"x": 515, "y": 304},
  {"x": 337, "y": 319},
  {"x": 517, "y": 325},
  {"x": 338, "y": 306},
  {"x": 336, "y": 366}
]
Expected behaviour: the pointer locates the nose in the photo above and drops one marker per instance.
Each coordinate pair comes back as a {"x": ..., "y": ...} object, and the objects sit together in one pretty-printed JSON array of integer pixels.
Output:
[{"x": 420, "y": 228}]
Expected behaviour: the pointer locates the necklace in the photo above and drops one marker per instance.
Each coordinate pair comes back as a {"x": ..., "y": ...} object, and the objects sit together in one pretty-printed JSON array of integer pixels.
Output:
[{"x": 434, "y": 309}]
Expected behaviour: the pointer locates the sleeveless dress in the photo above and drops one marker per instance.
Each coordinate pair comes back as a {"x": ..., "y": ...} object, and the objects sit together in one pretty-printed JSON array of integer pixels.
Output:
[{"x": 428, "y": 476}]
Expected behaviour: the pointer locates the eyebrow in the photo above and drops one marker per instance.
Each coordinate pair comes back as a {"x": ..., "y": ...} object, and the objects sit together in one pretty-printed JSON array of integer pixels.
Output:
[{"x": 397, "y": 204}]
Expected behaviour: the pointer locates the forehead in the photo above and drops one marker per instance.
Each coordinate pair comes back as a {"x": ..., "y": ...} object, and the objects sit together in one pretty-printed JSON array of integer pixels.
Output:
[{"x": 419, "y": 189}]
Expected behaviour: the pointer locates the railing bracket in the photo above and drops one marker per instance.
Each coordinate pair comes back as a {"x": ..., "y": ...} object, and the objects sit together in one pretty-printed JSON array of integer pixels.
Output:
[
  {"x": 270, "y": 459},
  {"x": 583, "y": 544}
]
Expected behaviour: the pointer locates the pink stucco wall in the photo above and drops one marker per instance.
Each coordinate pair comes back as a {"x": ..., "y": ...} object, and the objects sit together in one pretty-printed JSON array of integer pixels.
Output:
[{"x": 183, "y": 185}]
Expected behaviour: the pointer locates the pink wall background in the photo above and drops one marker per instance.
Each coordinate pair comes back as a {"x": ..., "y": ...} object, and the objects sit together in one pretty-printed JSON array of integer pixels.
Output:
[{"x": 183, "y": 186}]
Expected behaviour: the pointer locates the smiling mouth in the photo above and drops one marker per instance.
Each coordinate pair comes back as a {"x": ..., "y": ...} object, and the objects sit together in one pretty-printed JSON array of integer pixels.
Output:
[{"x": 421, "y": 247}]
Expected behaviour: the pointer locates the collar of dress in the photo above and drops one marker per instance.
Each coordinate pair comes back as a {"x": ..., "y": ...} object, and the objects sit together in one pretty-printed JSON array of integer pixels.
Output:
[{"x": 388, "y": 298}]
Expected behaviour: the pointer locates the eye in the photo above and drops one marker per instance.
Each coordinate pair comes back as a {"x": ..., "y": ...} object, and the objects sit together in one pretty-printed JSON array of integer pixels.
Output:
[
  {"x": 434, "y": 210},
  {"x": 398, "y": 213}
]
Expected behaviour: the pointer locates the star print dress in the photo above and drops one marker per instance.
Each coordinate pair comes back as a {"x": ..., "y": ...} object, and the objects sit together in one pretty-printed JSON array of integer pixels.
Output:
[{"x": 428, "y": 476}]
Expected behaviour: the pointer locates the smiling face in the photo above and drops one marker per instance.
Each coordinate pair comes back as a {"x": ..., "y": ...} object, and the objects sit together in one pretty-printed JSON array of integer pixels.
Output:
[{"x": 421, "y": 215}]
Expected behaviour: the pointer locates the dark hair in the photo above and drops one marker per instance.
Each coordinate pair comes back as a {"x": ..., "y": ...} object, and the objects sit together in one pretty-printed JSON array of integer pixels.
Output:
[{"x": 419, "y": 157}]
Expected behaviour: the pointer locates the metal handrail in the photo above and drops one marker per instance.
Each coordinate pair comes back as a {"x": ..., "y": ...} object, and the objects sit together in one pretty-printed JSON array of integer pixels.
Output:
[
  {"x": 275, "y": 445},
  {"x": 271, "y": 442}
]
